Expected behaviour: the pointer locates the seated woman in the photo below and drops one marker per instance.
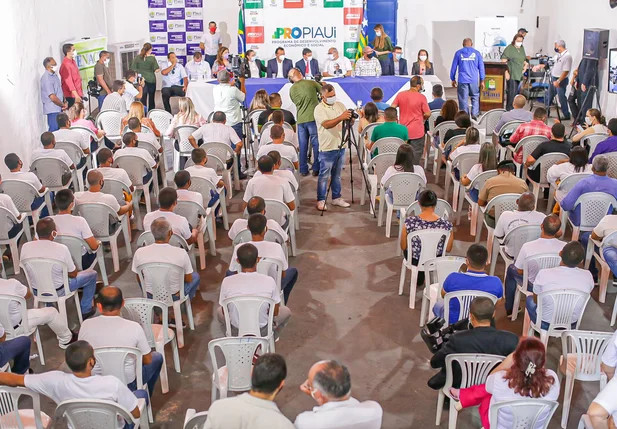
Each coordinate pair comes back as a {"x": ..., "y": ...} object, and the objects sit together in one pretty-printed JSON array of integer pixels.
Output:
[
  {"x": 261, "y": 101},
  {"x": 222, "y": 62},
  {"x": 487, "y": 161},
  {"x": 137, "y": 111},
  {"x": 77, "y": 115},
  {"x": 448, "y": 112},
  {"x": 423, "y": 66},
  {"x": 578, "y": 163},
  {"x": 403, "y": 163},
  {"x": 595, "y": 124},
  {"x": 471, "y": 143},
  {"x": 463, "y": 121},
  {"x": 522, "y": 375},
  {"x": 369, "y": 115},
  {"x": 185, "y": 116}
]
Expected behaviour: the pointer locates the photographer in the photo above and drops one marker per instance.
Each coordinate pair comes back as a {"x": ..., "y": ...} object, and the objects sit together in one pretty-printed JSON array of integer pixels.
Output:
[
  {"x": 133, "y": 88},
  {"x": 559, "y": 75},
  {"x": 483, "y": 338}
]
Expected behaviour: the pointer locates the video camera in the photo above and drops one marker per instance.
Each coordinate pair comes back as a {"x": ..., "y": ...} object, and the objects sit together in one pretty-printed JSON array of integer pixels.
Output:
[
  {"x": 436, "y": 333},
  {"x": 354, "y": 114},
  {"x": 547, "y": 61}
]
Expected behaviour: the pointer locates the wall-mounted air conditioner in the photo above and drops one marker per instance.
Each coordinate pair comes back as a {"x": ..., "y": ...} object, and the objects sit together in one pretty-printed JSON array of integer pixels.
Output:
[{"x": 122, "y": 55}]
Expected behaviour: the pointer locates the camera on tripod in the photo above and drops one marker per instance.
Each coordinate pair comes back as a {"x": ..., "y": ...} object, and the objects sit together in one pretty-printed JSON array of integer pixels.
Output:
[
  {"x": 547, "y": 61},
  {"x": 94, "y": 90},
  {"x": 436, "y": 333},
  {"x": 354, "y": 114}
]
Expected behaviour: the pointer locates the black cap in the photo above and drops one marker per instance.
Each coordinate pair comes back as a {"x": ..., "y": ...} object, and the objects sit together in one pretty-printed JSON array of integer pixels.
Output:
[{"x": 523, "y": 30}]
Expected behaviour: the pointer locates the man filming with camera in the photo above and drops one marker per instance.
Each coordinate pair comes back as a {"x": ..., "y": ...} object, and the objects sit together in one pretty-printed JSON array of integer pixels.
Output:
[
  {"x": 559, "y": 75},
  {"x": 330, "y": 115}
]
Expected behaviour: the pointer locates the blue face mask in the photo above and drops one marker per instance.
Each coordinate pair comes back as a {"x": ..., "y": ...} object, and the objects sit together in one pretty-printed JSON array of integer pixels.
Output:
[
  {"x": 557, "y": 50},
  {"x": 398, "y": 56}
]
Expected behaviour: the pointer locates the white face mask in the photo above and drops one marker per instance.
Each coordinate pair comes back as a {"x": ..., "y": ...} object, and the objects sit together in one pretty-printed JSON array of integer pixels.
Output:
[
  {"x": 106, "y": 62},
  {"x": 282, "y": 58},
  {"x": 309, "y": 58},
  {"x": 252, "y": 59},
  {"x": 331, "y": 100},
  {"x": 422, "y": 57},
  {"x": 331, "y": 57},
  {"x": 588, "y": 120},
  {"x": 518, "y": 44},
  {"x": 54, "y": 68},
  {"x": 378, "y": 33}
]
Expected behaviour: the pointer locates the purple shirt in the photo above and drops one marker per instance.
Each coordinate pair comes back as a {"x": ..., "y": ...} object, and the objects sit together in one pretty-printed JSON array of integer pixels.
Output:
[
  {"x": 592, "y": 183},
  {"x": 607, "y": 146}
]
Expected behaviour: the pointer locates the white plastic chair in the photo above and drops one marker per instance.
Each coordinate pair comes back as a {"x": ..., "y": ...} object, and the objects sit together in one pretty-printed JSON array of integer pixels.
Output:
[
  {"x": 135, "y": 167},
  {"x": 365, "y": 136},
  {"x": 91, "y": 136},
  {"x": 500, "y": 203},
  {"x": 13, "y": 417},
  {"x": 488, "y": 121},
  {"x": 277, "y": 210},
  {"x": 464, "y": 298},
  {"x": 476, "y": 183},
  {"x": 195, "y": 420},
  {"x": 565, "y": 303},
  {"x": 162, "y": 120},
  {"x": 111, "y": 122},
  {"x": 463, "y": 163},
  {"x": 585, "y": 422},
  {"x": 225, "y": 152},
  {"x": 593, "y": 140},
  {"x": 474, "y": 368},
  {"x": 428, "y": 145},
  {"x": 155, "y": 154},
  {"x": 6, "y": 219},
  {"x": 449, "y": 147},
  {"x": 609, "y": 241},
  {"x": 429, "y": 239},
  {"x": 99, "y": 413},
  {"x": 203, "y": 220},
  {"x": 24, "y": 329},
  {"x": 528, "y": 145},
  {"x": 98, "y": 216},
  {"x": 144, "y": 129},
  {"x": 50, "y": 172},
  {"x": 593, "y": 206},
  {"x": 435, "y": 273},
  {"x": 515, "y": 239},
  {"x": 442, "y": 129},
  {"x": 612, "y": 164},
  {"x": 245, "y": 236},
  {"x": 77, "y": 155},
  {"x": 374, "y": 171},
  {"x": 204, "y": 187},
  {"x": 507, "y": 129},
  {"x": 404, "y": 188},
  {"x": 538, "y": 262},
  {"x": 234, "y": 373},
  {"x": 141, "y": 310},
  {"x": 525, "y": 413},
  {"x": 23, "y": 195},
  {"x": 442, "y": 209},
  {"x": 387, "y": 145},
  {"x": 181, "y": 135},
  {"x": 557, "y": 193},
  {"x": 117, "y": 188},
  {"x": 75, "y": 246},
  {"x": 146, "y": 238},
  {"x": 545, "y": 162},
  {"x": 581, "y": 358},
  {"x": 248, "y": 308}
]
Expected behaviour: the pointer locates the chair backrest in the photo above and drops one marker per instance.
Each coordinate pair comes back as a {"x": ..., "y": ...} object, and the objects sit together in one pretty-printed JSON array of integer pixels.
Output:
[
  {"x": 267, "y": 265},
  {"x": 529, "y": 144},
  {"x": 490, "y": 119},
  {"x": 464, "y": 297},
  {"x": 429, "y": 239},
  {"x": 92, "y": 413},
  {"x": 387, "y": 145},
  {"x": 502, "y": 203},
  {"x": 475, "y": 368},
  {"x": 465, "y": 162},
  {"x": 248, "y": 309},
  {"x": 213, "y": 162},
  {"x": 404, "y": 188},
  {"x": 508, "y": 128},
  {"x": 452, "y": 142},
  {"x": 194, "y": 420},
  {"x": 191, "y": 211},
  {"x": 161, "y": 118},
  {"x": 159, "y": 274},
  {"x": 438, "y": 269},
  {"x": 111, "y": 361},
  {"x": 73, "y": 151},
  {"x": 254, "y": 119},
  {"x": 134, "y": 167},
  {"x": 222, "y": 150},
  {"x": 9, "y": 410},
  {"x": 141, "y": 310},
  {"x": 144, "y": 129},
  {"x": 480, "y": 179},
  {"x": 210, "y": 117},
  {"x": 367, "y": 131},
  {"x": 202, "y": 186},
  {"x": 182, "y": 134},
  {"x": 39, "y": 273},
  {"x": 5, "y": 318},
  {"x": 75, "y": 245},
  {"x": 594, "y": 140},
  {"x": 545, "y": 162},
  {"x": 380, "y": 164},
  {"x": 442, "y": 209},
  {"x": 570, "y": 180},
  {"x": 612, "y": 164},
  {"x": 115, "y": 187},
  {"x": 539, "y": 262},
  {"x": 431, "y": 120},
  {"x": 594, "y": 206},
  {"x": 50, "y": 171},
  {"x": 519, "y": 235},
  {"x": 146, "y": 238},
  {"x": 85, "y": 131},
  {"x": 7, "y": 220},
  {"x": 154, "y": 152},
  {"x": 610, "y": 240},
  {"x": 110, "y": 121},
  {"x": 245, "y": 236},
  {"x": 443, "y": 128},
  {"x": 585, "y": 349},
  {"x": 566, "y": 302},
  {"x": 525, "y": 413},
  {"x": 277, "y": 210},
  {"x": 97, "y": 216},
  {"x": 238, "y": 353},
  {"x": 22, "y": 193}
]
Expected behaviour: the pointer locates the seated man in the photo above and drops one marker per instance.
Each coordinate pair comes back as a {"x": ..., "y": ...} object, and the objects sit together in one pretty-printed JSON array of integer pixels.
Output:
[
  {"x": 217, "y": 131},
  {"x": 105, "y": 159},
  {"x": 175, "y": 80},
  {"x": 367, "y": 65},
  {"x": 135, "y": 126},
  {"x": 566, "y": 276},
  {"x": 115, "y": 101},
  {"x": 607, "y": 226},
  {"x": 536, "y": 127},
  {"x": 390, "y": 128},
  {"x": 438, "y": 99},
  {"x": 602, "y": 411},
  {"x": 111, "y": 330},
  {"x": 182, "y": 179},
  {"x": 66, "y": 134},
  {"x": 197, "y": 67},
  {"x": 336, "y": 65},
  {"x": 36, "y": 316},
  {"x": 130, "y": 148},
  {"x": 483, "y": 338},
  {"x": 267, "y": 249},
  {"x": 610, "y": 144},
  {"x": 286, "y": 174},
  {"x": 14, "y": 164},
  {"x": 248, "y": 282},
  {"x": 396, "y": 65},
  {"x": 45, "y": 247},
  {"x": 94, "y": 195},
  {"x": 475, "y": 278},
  {"x": 547, "y": 243},
  {"x": 308, "y": 66},
  {"x": 168, "y": 198},
  {"x": 277, "y": 136},
  {"x": 377, "y": 98},
  {"x": 505, "y": 182},
  {"x": 275, "y": 105},
  {"x": 80, "y": 384},
  {"x": 259, "y": 411},
  {"x": 199, "y": 169},
  {"x": 162, "y": 251},
  {"x": 255, "y": 205},
  {"x": 525, "y": 215},
  {"x": 518, "y": 113},
  {"x": 329, "y": 384},
  {"x": 7, "y": 203},
  {"x": 279, "y": 66},
  {"x": 557, "y": 144},
  {"x": 278, "y": 118},
  {"x": 49, "y": 151}
]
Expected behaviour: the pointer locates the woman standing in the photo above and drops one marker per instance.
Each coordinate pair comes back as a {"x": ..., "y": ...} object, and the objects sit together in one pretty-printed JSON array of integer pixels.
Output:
[
  {"x": 382, "y": 45},
  {"x": 146, "y": 65},
  {"x": 515, "y": 56},
  {"x": 221, "y": 62},
  {"x": 423, "y": 66}
]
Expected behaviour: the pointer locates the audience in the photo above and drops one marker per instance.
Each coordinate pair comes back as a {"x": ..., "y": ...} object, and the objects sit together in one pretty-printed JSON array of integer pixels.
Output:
[
  {"x": 49, "y": 142},
  {"x": 14, "y": 164},
  {"x": 131, "y": 148},
  {"x": 78, "y": 116},
  {"x": 463, "y": 121},
  {"x": 278, "y": 118},
  {"x": 255, "y": 205},
  {"x": 186, "y": 116},
  {"x": 505, "y": 182},
  {"x": 487, "y": 161},
  {"x": 115, "y": 101},
  {"x": 260, "y": 101},
  {"x": 217, "y": 131},
  {"x": 595, "y": 123},
  {"x": 578, "y": 163},
  {"x": 377, "y": 97},
  {"x": 525, "y": 215},
  {"x": 609, "y": 358},
  {"x": 369, "y": 115},
  {"x": 94, "y": 195},
  {"x": 135, "y": 126},
  {"x": 518, "y": 113},
  {"x": 199, "y": 169},
  {"x": 136, "y": 110},
  {"x": 277, "y": 134},
  {"x": 390, "y": 128},
  {"x": 168, "y": 198},
  {"x": 105, "y": 159},
  {"x": 438, "y": 100},
  {"x": 275, "y": 103},
  {"x": 16, "y": 351},
  {"x": 602, "y": 412},
  {"x": 13, "y": 228},
  {"x": 610, "y": 144},
  {"x": 403, "y": 163},
  {"x": 182, "y": 179},
  {"x": 471, "y": 144},
  {"x": 284, "y": 173},
  {"x": 607, "y": 225},
  {"x": 67, "y": 135},
  {"x": 536, "y": 127},
  {"x": 556, "y": 144}
]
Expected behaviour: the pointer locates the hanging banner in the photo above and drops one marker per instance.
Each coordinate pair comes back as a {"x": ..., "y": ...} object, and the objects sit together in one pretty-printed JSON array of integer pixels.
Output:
[
  {"x": 87, "y": 56},
  {"x": 493, "y": 34}
]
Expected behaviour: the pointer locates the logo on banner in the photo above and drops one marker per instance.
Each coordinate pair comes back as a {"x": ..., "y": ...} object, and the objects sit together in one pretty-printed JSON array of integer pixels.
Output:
[
  {"x": 357, "y": 3},
  {"x": 156, "y": 3},
  {"x": 175, "y": 13},
  {"x": 193, "y": 37},
  {"x": 333, "y": 3},
  {"x": 352, "y": 32},
  {"x": 193, "y": 3},
  {"x": 192, "y": 48},
  {"x": 194, "y": 25},
  {"x": 353, "y": 16},
  {"x": 313, "y": 3},
  {"x": 176, "y": 26},
  {"x": 158, "y": 14},
  {"x": 178, "y": 50},
  {"x": 305, "y": 33},
  {"x": 255, "y": 34},
  {"x": 350, "y": 49},
  {"x": 158, "y": 38},
  {"x": 255, "y": 4},
  {"x": 159, "y": 50},
  {"x": 176, "y": 37},
  {"x": 157, "y": 26},
  {"x": 194, "y": 14},
  {"x": 177, "y": 3}
]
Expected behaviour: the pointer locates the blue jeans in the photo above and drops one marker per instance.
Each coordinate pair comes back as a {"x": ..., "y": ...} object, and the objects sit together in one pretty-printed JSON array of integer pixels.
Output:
[
  {"x": 100, "y": 99},
  {"x": 190, "y": 289},
  {"x": 141, "y": 394},
  {"x": 52, "y": 123},
  {"x": 331, "y": 164},
  {"x": 532, "y": 310},
  {"x": 438, "y": 308},
  {"x": 474, "y": 194},
  {"x": 308, "y": 131},
  {"x": 561, "y": 93},
  {"x": 18, "y": 351},
  {"x": 466, "y": 90},
  {"x": 610, "y": 256},
  {"x": 210, "y": 59},
  {"x": 512, "y": 279},
  {"x": 584, "y": 240},
  {"x": 150, "y": 373},
  {"x": 15, "y": 230},
  {"x": 85, "y": 280},
  {"x": 87, "y": 259},
  {"x": 239, "y": 129}
]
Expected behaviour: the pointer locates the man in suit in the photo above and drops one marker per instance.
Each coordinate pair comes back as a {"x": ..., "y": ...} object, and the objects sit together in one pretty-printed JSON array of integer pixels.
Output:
[
  {"x": 308, "y": 66},
  {"x": 483, "y": 338},
  {"x": 396, "y": 64},
  {"x": 279, "y": 66}
]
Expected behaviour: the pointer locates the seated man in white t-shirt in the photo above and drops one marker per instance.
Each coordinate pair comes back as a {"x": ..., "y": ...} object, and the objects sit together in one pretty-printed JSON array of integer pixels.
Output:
[
  {"x": 162, "y": 251},
  {"x": 66, "y": 134},
  {"x": 605, "y": 227},
  {"x": 199, "y": 169},
  {"x": 130, "y": 141},
  {"x": 80, "y": 384},
  {"x": 602, "y": 411},
  {"x": 94, "y": 195},
  {"x": 14, "y": 164},
  {"x": 525, "y": 215},
  {"x": 182, "y": 179},
  {"x": 255, "y": 205},
  {"x": 198, "y": 68},
  {"x": 278, "y": 118},
  {"x": 36, "y": 316},
  {"x": 257, "y": 224},
  {"x": 168, "y": 199},
  {"x": 547, "y": 243},
  {"x": 135, "y": 126},
  {"x": 284, "y": 173},
  {"x": 248, "y": 282},
  {"x": 105, "y": 159},
  {"x": 565, "y": 276},
  {"x": 49, "y": 151},
  {"x": 277, "y": 135},
  {"x": 217, "y": 131},
  {"x": 111, "y": 330}
]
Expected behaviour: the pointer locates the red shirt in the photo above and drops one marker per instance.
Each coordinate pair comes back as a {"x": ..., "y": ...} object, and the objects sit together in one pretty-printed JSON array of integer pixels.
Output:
[
  {"x": 533, "y": 128},
  {"x": 71, "y": 80},
  {"x": 412, "y": 106}
]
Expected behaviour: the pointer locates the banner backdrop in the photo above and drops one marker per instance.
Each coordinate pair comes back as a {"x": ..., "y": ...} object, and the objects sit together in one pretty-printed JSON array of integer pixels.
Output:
[
  {"x": 298, "y": 24},
  {"x": 175, "y": 26},
  {"x": 493, "y": 34},
  {"x": 87, "y": 56}
]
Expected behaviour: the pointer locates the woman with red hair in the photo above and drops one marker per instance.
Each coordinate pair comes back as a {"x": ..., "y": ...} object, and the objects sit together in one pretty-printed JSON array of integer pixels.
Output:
[{"x": 521, "y": 375}]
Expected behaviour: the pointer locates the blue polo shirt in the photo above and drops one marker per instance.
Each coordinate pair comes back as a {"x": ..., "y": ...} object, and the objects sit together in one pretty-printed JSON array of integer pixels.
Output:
[
  {"x": 50, "y": 84},
  {"x": 471, "y": 280},
  {"x": 607, "y": 146}
]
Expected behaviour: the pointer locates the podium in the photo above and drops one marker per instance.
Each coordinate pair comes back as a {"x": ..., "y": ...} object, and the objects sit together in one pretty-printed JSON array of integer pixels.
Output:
[{"x": 493, "y": 94}]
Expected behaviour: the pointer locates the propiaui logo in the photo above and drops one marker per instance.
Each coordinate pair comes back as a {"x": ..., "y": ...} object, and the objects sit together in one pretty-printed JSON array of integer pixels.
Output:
[{"x": 304, "y": 33}]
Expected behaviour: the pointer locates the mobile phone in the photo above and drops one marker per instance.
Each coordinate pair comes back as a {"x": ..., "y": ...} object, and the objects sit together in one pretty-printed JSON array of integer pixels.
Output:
[{"x": 359, "y": 104}]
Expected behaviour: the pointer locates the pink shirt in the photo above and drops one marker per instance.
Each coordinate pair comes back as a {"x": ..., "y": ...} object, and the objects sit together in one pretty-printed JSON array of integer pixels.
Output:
[
  {"x": 412, "y": 106},
  {"x": 71, "y": 79},
  {"x": 181, "y": 120},
  {"x": 86, "y": 124}
]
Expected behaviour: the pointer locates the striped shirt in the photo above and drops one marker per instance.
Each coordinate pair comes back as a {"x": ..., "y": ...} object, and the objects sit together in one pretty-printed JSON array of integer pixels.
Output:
[
  {"x": 114, "y": 101},
  {"x": 370, "y": 67}
]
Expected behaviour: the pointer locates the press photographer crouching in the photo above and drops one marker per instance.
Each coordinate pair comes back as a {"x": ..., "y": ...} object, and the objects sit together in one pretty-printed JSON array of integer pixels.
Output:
[{"x": 481, "y": 337}]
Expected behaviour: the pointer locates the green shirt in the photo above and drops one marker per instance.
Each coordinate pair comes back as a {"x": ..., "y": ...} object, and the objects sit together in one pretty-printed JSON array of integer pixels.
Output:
[
  {"x": 390, "y": 129},
  {"x": 145, "y": 67},
  {"x": 388, "y": 46},
  {"x": 304, "y": 95},
  {"x": 516, "y": 59}
]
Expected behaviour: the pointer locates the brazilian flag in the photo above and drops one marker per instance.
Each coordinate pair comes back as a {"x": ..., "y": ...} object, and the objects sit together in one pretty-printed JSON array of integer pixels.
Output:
[
  {"x": 363, "y": 40},
  {"x": 241, "y": 33}
]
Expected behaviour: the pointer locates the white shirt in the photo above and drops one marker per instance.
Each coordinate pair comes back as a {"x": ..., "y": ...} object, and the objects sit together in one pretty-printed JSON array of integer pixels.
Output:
[
  {"x": 116, "y": 173},
  {"x": 149, "y": 138},
  {"x": 60, "y": 387},
  {"x": 290, "y": 137},
  {"x": 179, "y": 224},
  {"x": 537, "y": 247},
  {"x": 265, "y": 249},
  {"x": 343, "y": 63},
  {"x": 472, "y": 148},
  {"x": 49, "y": 250},
  {"x": 7, "y": 203},
  {"x": 114, "y": 101},
  {"x": 167, "y": 253},
  {"x": 347, "y": 414},
  {"x": 24, "y": 176},
  {"x": 475, "y": 171},
  {"x": 558, "y": 278},
  {"x": 139, "y": 152},
  {"x": 269, "y": 187},
  {"x": 286, "y": 174},
  {"x": 75, "y": 226},
  {"x": 391, "y": 171},
  {"x": 511, "y": 219},
  {"x": 72, "y": 136},
  {"x": 218, "y": 133},
  {"x": 13, "y": 287},
  {"x": 240, "y": 225},
  {"x": 563, "y": 62},
  {"x": 561, "y": 171},
  {"x": 255, "y": 72},
  {"x": 51, "y": 153},
  {"x": 211, "y": 42},
  {"x": 175, "y": 77},
  {"x": 114, "y": 331},
  {"x": 609, "y": 357},
  {"x": 97, "y": 197},
  {"x": 205, "y": 173},
  {"x": 186, "y": 195},
  {"x": 607, "y": 225},
  {"x": 130, "y": 92},
  {"x": 497, "y": 385},
  {"x": 606, "y": 398},
  {"x": 286, "y": 151},
  {"x": 279, "y": 70},
  {"x": 227, "y": 99},
  {"x": 195, "y": 70},
  {"x": 249, "y": 284}
]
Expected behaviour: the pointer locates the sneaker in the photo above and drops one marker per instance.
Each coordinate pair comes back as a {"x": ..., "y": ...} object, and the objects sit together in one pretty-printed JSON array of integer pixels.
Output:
[
  {"x": 340, "y": 202},
  {"x": 321, "y": 206}
]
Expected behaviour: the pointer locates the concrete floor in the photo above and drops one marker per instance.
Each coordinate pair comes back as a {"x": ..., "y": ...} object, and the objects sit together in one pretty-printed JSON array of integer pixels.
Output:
[{"x": 345, "y": 306}]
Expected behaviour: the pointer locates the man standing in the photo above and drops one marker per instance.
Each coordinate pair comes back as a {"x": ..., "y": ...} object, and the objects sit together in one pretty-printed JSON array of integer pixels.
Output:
[
  {"x": 470, "y": 66},
  {"x": 228, "y": 99},
  {"x": 175, "y": 80},
  {"x": 414, "y": 111},
  {"x": 197, "y": 67},
  {"x": 336, "y": 65},
  {"x": 51, "y": 93},
  {"x": 279, "y": 67},
  {"x": 308, "y": 66},
  {"x": 69, "y": 74},
  {"x": 210, "y": 43},
  {"x": 103, "y": 75},
  {"x": 559, "y": 75},
  {"x": 368, "y": 65},
  {"x": 329, "y": 117},
  {"x": 304, "y": 94}
]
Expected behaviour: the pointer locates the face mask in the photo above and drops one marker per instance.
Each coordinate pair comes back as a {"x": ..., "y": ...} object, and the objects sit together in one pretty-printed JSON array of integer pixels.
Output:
[
  {"x": 313, "y": 394},
  {"x": 212, "y": 30},
  {"x": 331, "y": 57},
  {"x": 225, "y": 56},
  {"x": 587, "y": 120},
  {"x": 378, "y": 33},
  {"x": 252, "y": 59},
  {"x": 557, "y": 50},
  {"x": 518, "y": 44},
  {"x": 106, "y": 62},
  {"x": 422, "y": 57},
  {"x": 309, "y": 58},
  {"x": 54, "y": 68},
  {"x": 331, "y": 100},
  {"x": 54, "y": 234},
  {"x": 398, "y": 56},
  {"x": 282, "y": 58}
]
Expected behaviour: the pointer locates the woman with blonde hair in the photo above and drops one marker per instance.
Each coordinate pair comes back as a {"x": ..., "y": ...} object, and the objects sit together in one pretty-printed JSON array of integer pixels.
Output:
[
  {"x": 260, "y": 101},
  {"x": 221, "y": 62},
  {"x": 186, "y": 116},
  {"x": 382, "y": 45},
  {"x": 137, "y": 111},
  {"x": 145, "y": 64}
]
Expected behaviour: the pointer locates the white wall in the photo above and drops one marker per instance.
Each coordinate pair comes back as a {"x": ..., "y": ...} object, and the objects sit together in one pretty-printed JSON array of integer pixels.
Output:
[{"x": 32, "y": 30}]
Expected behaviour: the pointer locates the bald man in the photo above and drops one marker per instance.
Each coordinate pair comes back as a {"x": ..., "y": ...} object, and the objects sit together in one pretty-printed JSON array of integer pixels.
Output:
[
  {"x": 518, "y": 113},
  {"x": 368, "y": 65},
  {"x": 524, "y": 215}
]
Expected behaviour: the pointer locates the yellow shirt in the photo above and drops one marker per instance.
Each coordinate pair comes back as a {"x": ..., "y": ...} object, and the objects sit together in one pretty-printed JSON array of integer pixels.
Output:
[{"x": 329, "y": 139}]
